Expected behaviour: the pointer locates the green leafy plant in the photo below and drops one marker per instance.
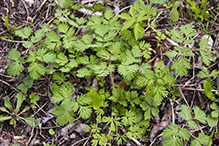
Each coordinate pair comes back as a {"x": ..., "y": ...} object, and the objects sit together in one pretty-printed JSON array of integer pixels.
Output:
[
  {"x": 174, "y": 12},
  {"x": 104, "y": 48},
  {"x": 181, "y": 64},
  {"x": 15, "y": 65},
  {"x": 15, "y": 114},
  {"x": 175, "y": 135},
  {"x": 208, "y": 83},
  {"x": 136, "y": 23},
  {"x": 197, "y": 11}
]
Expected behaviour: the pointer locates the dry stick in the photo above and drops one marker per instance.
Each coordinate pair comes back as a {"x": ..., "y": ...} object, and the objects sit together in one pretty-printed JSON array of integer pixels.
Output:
[
  {"x": 7, "y": 76},
  {"x": 13, "y": 41},
  {"x": 26, "y": 10},
  {"x": 41, "y": 5},
  {"x": 184, "y": 88},
  {"x": 34, "y": 137},
  {"x": 173, "y": 115},
  {"x": 133, "y": 139},
  {"x": 31, "y": 135},
  {"x": 155, "y": 139},
  {"x": 123, "y": 9},
  {"x": 87, "y": 139},
  {"x": 39, "y": 9},
  {"x": 180, "y": 90},
  {"x": 81, "y": 140},
  {"x": 66, "y": 134},
  {"x": 40, "y": 108},
  {"x": 9, "y": 85}
]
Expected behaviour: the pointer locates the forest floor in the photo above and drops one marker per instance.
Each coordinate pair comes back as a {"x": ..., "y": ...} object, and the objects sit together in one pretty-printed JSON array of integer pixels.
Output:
[{"x": 38, "y": 12}]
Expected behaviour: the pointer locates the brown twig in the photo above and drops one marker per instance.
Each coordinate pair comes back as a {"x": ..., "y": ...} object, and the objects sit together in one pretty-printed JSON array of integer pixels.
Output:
[
  {"x": 87, "y": 139},
  {"x": 184, "y": 88},
  {"x": 9, "y": 85},
  {"x": 13, "y": 41},
  {"x": 26, "y": 10},
  {"x": 73, "y": 128}
]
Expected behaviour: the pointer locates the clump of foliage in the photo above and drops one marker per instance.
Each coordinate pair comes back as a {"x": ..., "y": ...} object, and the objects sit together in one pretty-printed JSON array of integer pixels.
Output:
[
  {"x": 116, "y": 48},
  {"x": 198, "y": 10}
]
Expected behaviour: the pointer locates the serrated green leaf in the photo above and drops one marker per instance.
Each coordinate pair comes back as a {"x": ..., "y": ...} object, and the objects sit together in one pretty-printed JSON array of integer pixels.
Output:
[
  {"x": 192, "y": 125},
  {"x": 25, "y": 33},
  {"x": 176, "y": 35},
  {"x": 64, "y": 112},
  {"x": 188, "y": 30},
  {"x": 77, "y": 6},
  {"x": 63, "y": 3},
  {"x": 98, "y": 7},
  {"x": 23, "y": 88},
  {"x": 49, "y": 58},
  {"x": 173, "y": 141},
  {"x": 132, "y": 11},
  {"x": 110, "y": 36},
  {"x": 38, "y": 35},
  {"x": 195, "y": 142},
  {"x": 181, "y": 65},
  {"x": 187, "y": 52},
  {"x": 171, "y": 53},
  {"x": 154, "y": 111},
  {"x": 14, "y": 54},
  {"x": 171, "y": 131},
  {"x": 205, "y": 53},
  {"x": 145, "y": 68},
  {"x": 127, "y": 71},
  {"x": 142, "y": 17},
  {"x": 36, "y": 70},
  {"x": 187, "y": 42},
  {"x": 128, "y": 24},
  {"x": 27, "y": 44},
  {"x": 85, "y": 112},
  {"x": 202, "y": 138},
  {"x": 138, "y": 31},
  {"x": 183, "y": 133},
  {"x": 61, "y": 59},
  {"x": 200, "y": 115},
  {"x": 14, "y": 68},
  {"x": 59, "y": 78},
  {"x": 87, "y": 39},
  {"x": 66, "y": 91},
  {"x": 102, "y": 30},
  {"x": 84, "y": 72},
  {"x": 109, "y": 14},
  {"x": 57, "y": 96},
  {"x": 204, "y": 73},
  {"x": 185, "y": 113},
  {"x": 84, "y": 100},
  {"x": 63, "y": 28},
  {"x": 129, "y": 118},
  {"x": 212, "y": 121}
]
